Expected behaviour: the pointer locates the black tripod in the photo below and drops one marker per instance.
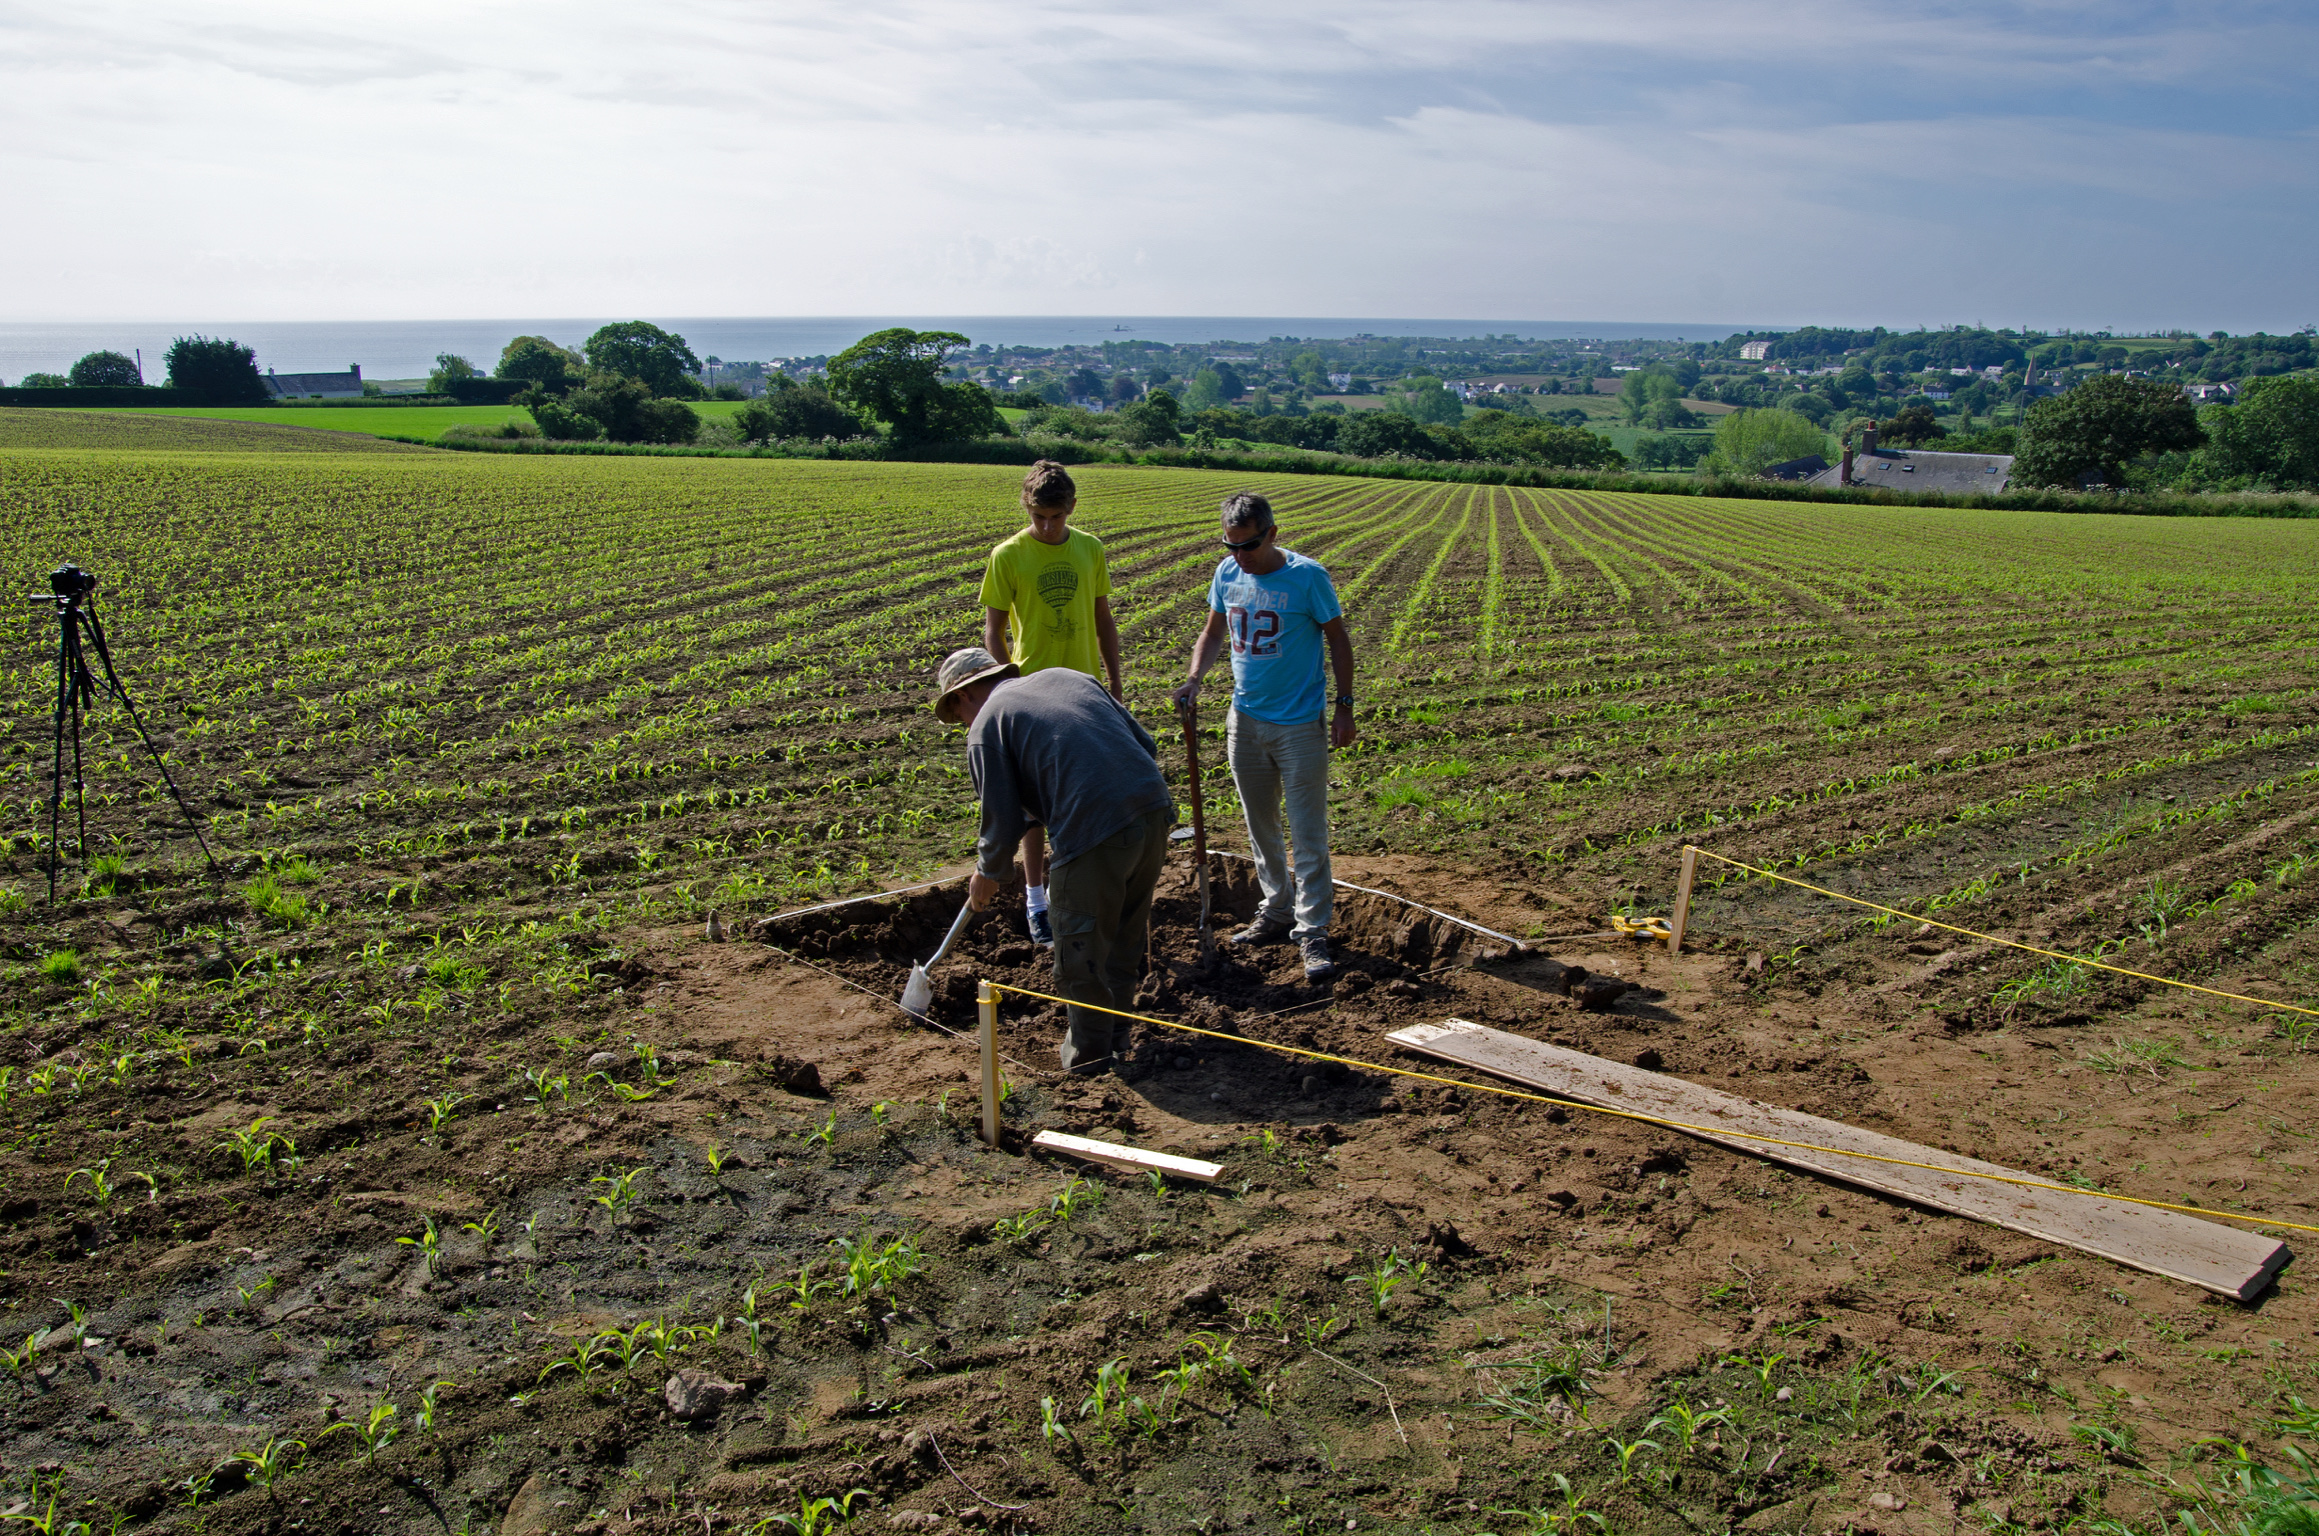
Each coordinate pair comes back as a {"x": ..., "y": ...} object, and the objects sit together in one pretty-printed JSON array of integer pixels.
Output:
[{"x": 71, "y": 593}]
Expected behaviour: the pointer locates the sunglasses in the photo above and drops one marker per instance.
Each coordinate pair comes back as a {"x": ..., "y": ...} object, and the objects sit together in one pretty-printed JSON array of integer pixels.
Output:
[{"x": 1247, "y": 545}]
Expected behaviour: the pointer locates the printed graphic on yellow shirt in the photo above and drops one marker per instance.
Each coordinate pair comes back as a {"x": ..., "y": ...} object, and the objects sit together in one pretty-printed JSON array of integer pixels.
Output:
[{"x": 1048, "y": 592}]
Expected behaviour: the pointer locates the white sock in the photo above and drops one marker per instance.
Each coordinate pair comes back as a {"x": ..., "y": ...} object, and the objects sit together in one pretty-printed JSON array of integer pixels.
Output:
[{"x": 1035, "y": 898}]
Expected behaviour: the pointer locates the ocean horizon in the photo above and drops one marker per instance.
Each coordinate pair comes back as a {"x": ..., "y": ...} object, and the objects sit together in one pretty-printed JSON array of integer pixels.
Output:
[{"x": 403, "y": 349}]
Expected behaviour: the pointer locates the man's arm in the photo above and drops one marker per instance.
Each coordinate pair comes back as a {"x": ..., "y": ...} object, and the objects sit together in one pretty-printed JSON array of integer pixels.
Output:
[
  {"x": 994, "y": 634},
  {"x": 993, "y": 772},
  {"x": 1107, "y": 638},
  {"x": 1206, "y": 649},
  {"x": 1341, "y": 727}
]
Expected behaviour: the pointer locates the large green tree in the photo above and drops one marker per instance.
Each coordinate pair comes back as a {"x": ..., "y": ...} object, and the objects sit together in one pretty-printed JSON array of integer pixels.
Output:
[
  {"x": 221, "y": 369},
  {"x": 540, "y": 361},
  {"x": 2271, "y": 434},
  {"x": 2091, "y": 434},
  {"x": 1425, "y": 398},
  {"x": 639, "y": 350},
  {"x": 895, "y": 375},
  {"x": 99, "y": 369},
  {"x": 1749, "y": 442}
]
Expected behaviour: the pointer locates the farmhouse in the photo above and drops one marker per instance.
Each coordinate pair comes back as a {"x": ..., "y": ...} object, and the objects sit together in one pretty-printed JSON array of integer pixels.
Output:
[
  {"x": 1909, "y": 469},
  {"x": 1795, "y": 469},
  {"x": 330, "y": 386}
]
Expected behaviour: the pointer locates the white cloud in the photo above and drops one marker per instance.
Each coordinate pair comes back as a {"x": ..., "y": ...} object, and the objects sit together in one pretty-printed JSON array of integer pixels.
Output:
[{"x": 1821, "y": 158}]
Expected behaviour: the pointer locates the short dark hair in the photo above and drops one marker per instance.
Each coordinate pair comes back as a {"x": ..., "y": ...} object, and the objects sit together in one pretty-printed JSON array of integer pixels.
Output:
[
  {"x": 1246, "y": 509},
  {"x": 1048, "y": 485}
]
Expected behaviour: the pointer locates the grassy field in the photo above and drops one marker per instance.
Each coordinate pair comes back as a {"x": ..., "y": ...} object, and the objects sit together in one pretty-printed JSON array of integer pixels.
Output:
[
  {"x": 421, "y": 421},
  {"x": 438, "y": 1103}
]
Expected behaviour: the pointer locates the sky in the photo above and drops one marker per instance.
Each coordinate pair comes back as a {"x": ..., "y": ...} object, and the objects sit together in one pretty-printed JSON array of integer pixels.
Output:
[{"x": 2100, "y": 165}]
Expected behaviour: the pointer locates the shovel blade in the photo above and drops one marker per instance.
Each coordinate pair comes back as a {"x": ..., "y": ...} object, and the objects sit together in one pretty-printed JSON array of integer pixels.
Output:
[{"x": 918, "y": 996}]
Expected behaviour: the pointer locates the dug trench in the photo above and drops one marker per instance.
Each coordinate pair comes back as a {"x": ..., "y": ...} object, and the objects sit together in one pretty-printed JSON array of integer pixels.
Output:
[{"x": 742, "y": 1252}]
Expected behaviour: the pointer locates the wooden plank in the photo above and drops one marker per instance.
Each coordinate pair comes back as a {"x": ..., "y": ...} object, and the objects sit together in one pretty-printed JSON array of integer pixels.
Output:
[
  {"x": 2226, "y": 1260},
  {"x": 1133, "y": 1159}
]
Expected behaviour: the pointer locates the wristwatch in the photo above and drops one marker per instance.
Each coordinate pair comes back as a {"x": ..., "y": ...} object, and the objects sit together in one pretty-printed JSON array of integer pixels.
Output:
[{"x": 1344, "y": 701}]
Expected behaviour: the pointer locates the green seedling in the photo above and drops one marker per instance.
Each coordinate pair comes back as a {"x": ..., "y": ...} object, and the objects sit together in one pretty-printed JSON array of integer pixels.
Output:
[
  {"x": 47, "y": 1522},
  {"x": 1017, "y": 1229},
  {"x": 581, "y": 1362},
  {"x": 424, "y": 1415},
  {"x": 1388, "y": 1275},
  {"x": 1051, "y": 1427},
  {"x": 486, "y": 1229},
  {"x": 870, "y": 1267},
  {"x": 268, "y": 1462},
  {"x": 253, "y": 1146},
  {"x": 1076, "y": 1195},
  {"x": 826, "y": 1132},
  {"x": 1319, "y": 1330},
  {"x": 21, "y": 1360},
  {"x": 376, "y": 1432},
  {"x": 542, "y": 1085},
  {"x": 1626, "y": 1454},
  {"x": 1687, "y": 1422},
  {"x": 619, "y": 1190},
  {"x": 804, "y": 1287},
  {"x": 716, "y": 1158},
  {"x": 1107, "y": 1402},
  {"x": 1556, "y": 1522},
  {"x": 815, "y": 1517},
  {"x": 430, "y": 1246},
  {"x": 104, "y": 1189},
  {"x": 1760, "y": 1367},
  {"x": 1158, "y": 1182}
]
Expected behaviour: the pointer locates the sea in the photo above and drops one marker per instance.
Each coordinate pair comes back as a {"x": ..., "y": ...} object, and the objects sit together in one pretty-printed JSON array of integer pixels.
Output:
[{"x": 406, "y": 349}]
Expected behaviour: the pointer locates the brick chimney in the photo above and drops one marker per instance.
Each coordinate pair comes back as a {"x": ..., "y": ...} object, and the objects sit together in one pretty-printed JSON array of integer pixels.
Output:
[{"x": 1868, "y": 439}]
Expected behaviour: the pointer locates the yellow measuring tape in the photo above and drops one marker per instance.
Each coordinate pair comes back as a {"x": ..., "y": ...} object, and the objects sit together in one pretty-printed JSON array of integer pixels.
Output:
[
  {"x": 1717, "y": 1133},
  {"x": 1990, "y": 938}
]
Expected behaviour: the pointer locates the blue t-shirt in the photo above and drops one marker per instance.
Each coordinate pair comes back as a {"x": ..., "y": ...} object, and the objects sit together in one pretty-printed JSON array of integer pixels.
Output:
[{"x": 1276, "y": 637}]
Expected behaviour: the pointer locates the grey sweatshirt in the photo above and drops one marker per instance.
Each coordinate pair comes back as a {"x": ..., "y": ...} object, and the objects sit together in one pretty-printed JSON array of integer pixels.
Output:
[{"x": 1058, "y": 747}]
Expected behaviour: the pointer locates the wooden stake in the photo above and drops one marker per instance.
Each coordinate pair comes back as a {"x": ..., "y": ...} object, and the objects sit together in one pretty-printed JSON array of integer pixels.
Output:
[
  {"x": 986, "y": 1004},
  {"x": 1682, "y": 901}
]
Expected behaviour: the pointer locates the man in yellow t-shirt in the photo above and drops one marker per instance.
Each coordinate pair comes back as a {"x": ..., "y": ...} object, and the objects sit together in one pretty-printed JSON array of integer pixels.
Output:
[{"x": 1049, "y": 585}]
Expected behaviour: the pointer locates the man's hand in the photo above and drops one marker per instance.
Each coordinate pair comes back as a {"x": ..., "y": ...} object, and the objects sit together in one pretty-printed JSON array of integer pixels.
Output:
[
  {"x": 981, "y": 890},
  {"x": 1184, "y": 694},
  {"x": 1342, "y": 730}
]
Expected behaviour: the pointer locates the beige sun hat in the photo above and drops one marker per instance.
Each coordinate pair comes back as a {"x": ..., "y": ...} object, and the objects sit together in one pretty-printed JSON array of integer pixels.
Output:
[{"x": 961, "y": 669}]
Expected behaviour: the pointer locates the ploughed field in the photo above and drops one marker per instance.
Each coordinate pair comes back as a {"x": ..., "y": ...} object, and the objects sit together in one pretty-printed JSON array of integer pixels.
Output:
[{"x": 386, "y": 1182}]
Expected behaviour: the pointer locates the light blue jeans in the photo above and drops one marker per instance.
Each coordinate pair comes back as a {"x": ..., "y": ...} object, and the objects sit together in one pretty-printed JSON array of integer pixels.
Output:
[{"x": 1273, "y": 764}]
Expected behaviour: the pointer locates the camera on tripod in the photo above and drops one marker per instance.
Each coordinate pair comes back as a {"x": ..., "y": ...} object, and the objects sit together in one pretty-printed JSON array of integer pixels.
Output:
[{"x": 80, "y": 635}]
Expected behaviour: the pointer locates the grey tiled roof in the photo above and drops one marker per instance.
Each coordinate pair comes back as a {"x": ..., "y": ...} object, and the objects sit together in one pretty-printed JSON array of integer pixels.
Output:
[{"x": 1908, "y": 469}]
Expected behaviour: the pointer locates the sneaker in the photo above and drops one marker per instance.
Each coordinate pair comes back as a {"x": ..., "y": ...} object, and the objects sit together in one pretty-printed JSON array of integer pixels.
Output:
[
  {"x": 1317, "y": 963},
  {"x": 1265, "y": 930},
  {"x": 1042, "y": 930}
]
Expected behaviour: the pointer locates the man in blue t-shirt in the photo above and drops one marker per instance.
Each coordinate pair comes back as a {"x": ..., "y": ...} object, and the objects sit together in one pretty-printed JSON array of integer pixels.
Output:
[{"x": 1276, "y": 607}]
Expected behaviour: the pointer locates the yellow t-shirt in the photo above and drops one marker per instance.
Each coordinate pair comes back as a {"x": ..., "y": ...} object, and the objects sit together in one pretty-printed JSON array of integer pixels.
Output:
[{"x": 1050, "y": 591}]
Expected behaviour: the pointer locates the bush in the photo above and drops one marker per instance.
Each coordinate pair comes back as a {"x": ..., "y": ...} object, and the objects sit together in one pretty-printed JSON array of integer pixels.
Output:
[
  {"x": 537, "y": 360},
  {"x": 1747, "y": 442},
  {"x": 793, "y": 410},
  {"x": 560, "y": 423},
  {"x": 44, "y": 381},
  {"x": 2090, "y": 435},
  {"x": 665, "y": 421},
  {"x": 101, "y": 370},
  {"x": 221, "y": 370},
  {"x": 506, "y": 429}
]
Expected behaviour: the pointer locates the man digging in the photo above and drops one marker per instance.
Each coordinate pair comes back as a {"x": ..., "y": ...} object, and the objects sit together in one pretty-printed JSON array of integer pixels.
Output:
[
  {"x": 1056, "y": 747},
  {"x": 1277, "y": 607}
]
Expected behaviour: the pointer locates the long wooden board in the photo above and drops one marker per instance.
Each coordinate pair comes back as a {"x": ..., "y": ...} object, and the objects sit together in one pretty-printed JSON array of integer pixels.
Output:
[
  {"x": 1132, "y": 1159},
  {"x": 2223, "y": 1259}
]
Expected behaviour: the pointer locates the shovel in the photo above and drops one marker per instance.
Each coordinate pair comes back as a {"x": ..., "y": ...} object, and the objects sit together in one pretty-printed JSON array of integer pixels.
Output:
[
  {"x": 1189, "y": 713},
  {"x": 918, "y": 996}
]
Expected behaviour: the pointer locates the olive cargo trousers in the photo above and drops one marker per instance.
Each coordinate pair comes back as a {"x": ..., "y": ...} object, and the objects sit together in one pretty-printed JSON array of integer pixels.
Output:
[{"x": 1100, "y": 903}]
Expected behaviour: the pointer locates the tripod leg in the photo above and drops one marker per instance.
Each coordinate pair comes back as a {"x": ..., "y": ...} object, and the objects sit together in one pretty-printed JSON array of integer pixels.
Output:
[
  {"x": 80, "y": 693},
  {"x": 56, "y": 771},
  {"x": 113, "y": 680}
]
